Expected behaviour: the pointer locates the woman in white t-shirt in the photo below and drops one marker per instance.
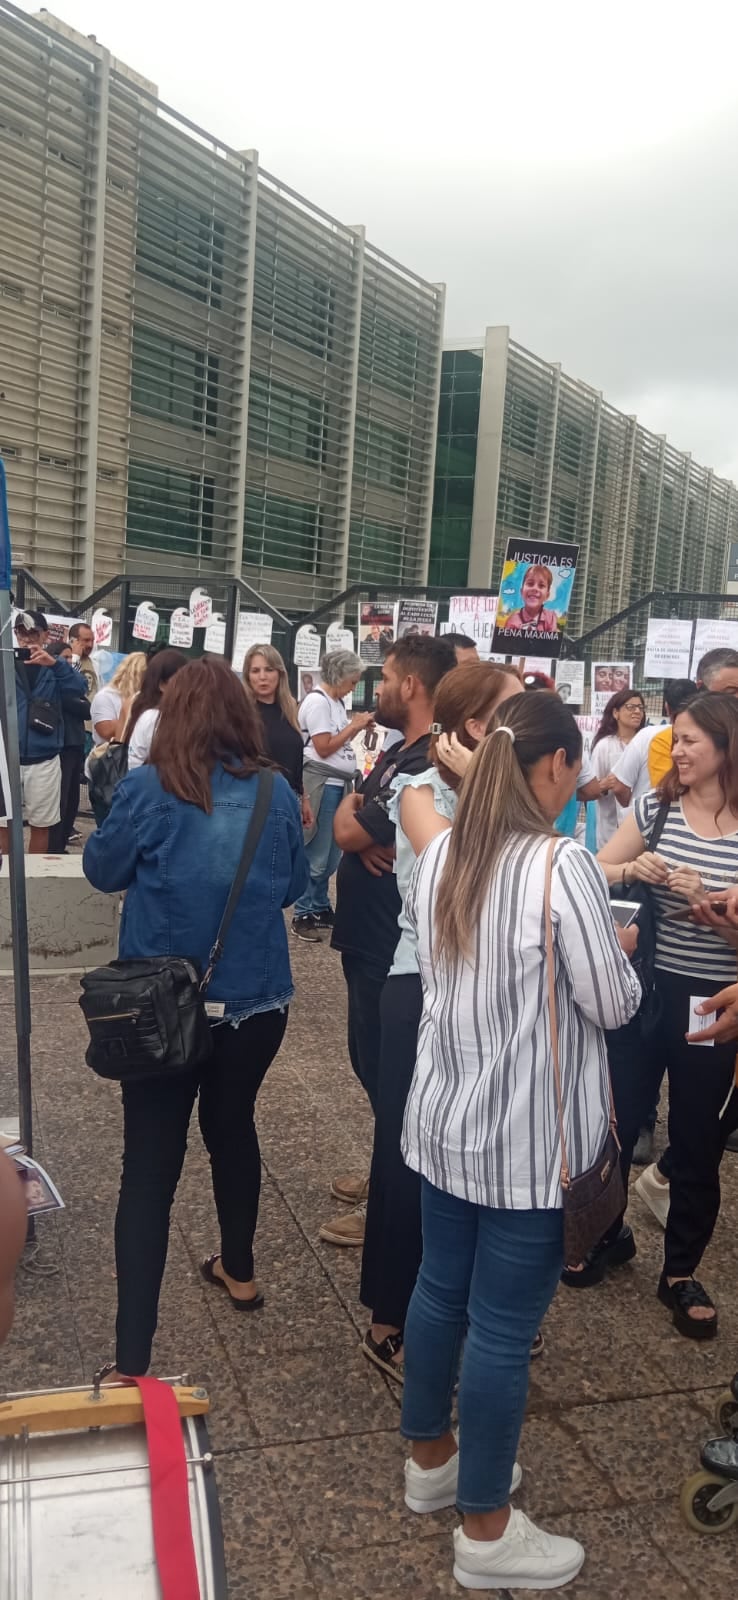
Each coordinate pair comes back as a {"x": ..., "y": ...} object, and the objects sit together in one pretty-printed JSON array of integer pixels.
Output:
[
  {"x": 329, "y": 772},
  {"x": 622, "y": 719},
  {"x": 112, "y": 702},
  {"x": 147, "y": 705}
]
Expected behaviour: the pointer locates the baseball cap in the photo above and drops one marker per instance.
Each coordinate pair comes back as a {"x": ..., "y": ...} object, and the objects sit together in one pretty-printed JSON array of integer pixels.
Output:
[{"x": 30, "y": 620}]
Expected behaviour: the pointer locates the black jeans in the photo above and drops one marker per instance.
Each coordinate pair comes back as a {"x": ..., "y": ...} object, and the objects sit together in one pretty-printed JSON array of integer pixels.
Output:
[
  {"x": 393, "y": 1241},
  {"x": 156, "y": 1116},
  {"x": 72, "y": 761},
  {"x": 700, "y": 1080},
  {"x": 365, "y": 987},
  {"x": 632, "y": 1073}
]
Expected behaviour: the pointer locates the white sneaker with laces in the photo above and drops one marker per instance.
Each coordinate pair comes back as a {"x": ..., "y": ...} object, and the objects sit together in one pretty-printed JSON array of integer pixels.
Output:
[
  {"x": 657, "y": 1196},
  {"x": 433, "y": 1488},
  {"x": 524, "y": 1558}
]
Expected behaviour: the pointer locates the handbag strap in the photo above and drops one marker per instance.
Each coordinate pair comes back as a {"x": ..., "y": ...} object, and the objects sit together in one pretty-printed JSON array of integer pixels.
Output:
[
  {"x": 553, "y": 1020},
  {"x": 253, "y": 835},
  {"x": 659, "y": 825}
]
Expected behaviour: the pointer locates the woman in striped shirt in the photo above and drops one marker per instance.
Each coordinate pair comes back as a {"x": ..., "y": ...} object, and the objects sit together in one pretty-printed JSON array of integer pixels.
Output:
[
  {"x": 697, "y": 853},
  {"x": 481, "y": 1123}
]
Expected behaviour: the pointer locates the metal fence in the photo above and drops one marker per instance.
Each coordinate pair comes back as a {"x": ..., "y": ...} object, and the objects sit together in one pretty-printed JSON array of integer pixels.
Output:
[{"x": 623, "y": 637}]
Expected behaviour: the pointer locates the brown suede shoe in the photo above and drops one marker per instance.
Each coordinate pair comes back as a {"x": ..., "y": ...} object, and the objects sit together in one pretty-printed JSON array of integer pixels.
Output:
[
  {"x": 352, "y": 1191},
  {"x": 348, "y": 1230}
]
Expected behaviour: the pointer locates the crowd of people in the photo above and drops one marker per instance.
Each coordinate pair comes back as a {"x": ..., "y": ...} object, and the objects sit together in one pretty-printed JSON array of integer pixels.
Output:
[{"x": 479, "y": 946}]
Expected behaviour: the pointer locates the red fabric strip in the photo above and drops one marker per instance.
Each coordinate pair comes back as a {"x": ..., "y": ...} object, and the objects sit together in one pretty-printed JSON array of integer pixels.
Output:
[{"x": 170, "y": 1501}]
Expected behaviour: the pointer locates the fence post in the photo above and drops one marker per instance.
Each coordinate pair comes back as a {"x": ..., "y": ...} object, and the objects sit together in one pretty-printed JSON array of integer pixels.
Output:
[{"x": 123, "y": 607}]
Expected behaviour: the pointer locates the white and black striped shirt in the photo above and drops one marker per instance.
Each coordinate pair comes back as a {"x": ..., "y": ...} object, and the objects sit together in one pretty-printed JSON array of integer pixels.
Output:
[
  {"x": 680, "y": 946},
  {"x": 481, "y": 1119}
]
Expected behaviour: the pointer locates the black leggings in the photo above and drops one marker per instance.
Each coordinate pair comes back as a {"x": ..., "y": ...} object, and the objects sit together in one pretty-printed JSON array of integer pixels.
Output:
[
  {"x": 156, "y": 1116},
  {"x": 393, "y": 1242}
]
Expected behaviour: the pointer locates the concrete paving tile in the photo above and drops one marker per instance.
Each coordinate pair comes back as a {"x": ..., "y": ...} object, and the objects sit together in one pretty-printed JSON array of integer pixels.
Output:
[
  {"x": 263, "y": 1557},
  {"x": 348, "y": 1493},
  {"x": 421, "y": 1570},
  {"x": 321, "y": 1392},
  {"x": 622, "y": 1560},
  {"x": 557, "y": 1475},
  {"x": 656, "y": 1442},
  {"x": 693, "y": 1555}
]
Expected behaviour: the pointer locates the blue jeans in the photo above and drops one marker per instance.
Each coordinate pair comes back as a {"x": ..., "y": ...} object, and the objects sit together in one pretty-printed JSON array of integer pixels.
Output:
[
  {"x": 489, "y": 1275},
  {"x": 323, "y": 855}
]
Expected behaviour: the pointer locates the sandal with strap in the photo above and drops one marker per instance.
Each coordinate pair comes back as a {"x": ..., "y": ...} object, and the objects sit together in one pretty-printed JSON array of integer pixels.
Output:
[
  {"x": 381, "y": 1353},
  {"x": 679, "y": 1297},
  {"x": 257, "y": 1300}
]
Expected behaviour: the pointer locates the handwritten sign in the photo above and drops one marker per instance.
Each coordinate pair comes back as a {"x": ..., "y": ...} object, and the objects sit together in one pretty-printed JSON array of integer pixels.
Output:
[
  {"x": 146, "y": 622},
  {"x": 307, "y": 647},
  {"x": 201, "y": 608},
  {"x": 181, "y": 628},
  {"x": 253, "y": 627},
  {"x": 102, "y": 627}
]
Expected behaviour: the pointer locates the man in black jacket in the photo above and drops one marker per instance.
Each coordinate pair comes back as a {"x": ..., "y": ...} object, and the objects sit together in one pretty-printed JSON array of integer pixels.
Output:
[
  {"x": 76, "y": 712},
  {"x": 40, "y": 681}
]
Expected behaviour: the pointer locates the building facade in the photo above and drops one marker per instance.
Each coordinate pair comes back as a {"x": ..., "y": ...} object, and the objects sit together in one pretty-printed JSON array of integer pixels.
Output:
[
  {"x": 200, "y": 371},
  {"x": 522, "y": 448}
]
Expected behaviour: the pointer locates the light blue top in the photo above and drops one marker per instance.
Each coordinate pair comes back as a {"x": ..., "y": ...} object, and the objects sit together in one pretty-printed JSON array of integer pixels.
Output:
[{"x": 444, "y": 800}]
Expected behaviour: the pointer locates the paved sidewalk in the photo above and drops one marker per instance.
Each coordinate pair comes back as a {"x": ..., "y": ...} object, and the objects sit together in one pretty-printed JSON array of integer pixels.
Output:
[{"x": 309, "y": 1460}]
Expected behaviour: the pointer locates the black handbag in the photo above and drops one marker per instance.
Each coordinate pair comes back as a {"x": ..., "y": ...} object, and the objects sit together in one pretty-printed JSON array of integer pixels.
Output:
[
  {"x": 147, "y": 1017},
  {"x": 104, "y": 773},
  {"x": 592, "y": 1202},
  {"x": 644, "y": 959}
]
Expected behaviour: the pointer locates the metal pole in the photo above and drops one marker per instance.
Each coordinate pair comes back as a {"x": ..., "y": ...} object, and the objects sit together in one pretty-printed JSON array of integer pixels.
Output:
[{"x": 16, "y": 862}]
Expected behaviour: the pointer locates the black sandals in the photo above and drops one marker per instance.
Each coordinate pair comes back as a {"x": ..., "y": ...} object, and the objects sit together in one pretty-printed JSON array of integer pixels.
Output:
[
  {"x": 679, "y": 1297},
  {"x": 211, "y": 1277}
]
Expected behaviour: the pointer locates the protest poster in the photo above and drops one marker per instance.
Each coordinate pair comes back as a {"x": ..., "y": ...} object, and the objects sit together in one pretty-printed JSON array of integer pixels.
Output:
[
  {"x": 711, "y": 633},
  {"x": 368, "y": 746},
  {"x": 181, "y": 628},
  {"x": 587, "y": 726},
  {"x": 59, "y": 626},
  {"x": 474, "y": 616},
  {"x": 608, "y": 678},
  {"x": 535, "y": 595},
  {"x": 415, "y": 616},
  {"x": 668, "y": 645},
  {"x": 253, "y": 627},
  {"x": 570, "y": 682},
  {"x": 307, "y": 680},
  {"x": 102, "y": 627},
  {"x": 146, "y": 622},
  {"x": 338, "y": 638},
  {"x": 376, "y": 630},
  {"x": 201, "y": 609},
  {"x": 214, "y": 642},
  {"x": 308, "y": 647}
]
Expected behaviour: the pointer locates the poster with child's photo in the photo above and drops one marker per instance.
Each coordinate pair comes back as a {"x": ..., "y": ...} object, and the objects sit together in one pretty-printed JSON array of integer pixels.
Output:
[
  {"x": 608, "y": 678},
  {"x": 376, "y": 630},
  {"x": 535, "y": 596}
]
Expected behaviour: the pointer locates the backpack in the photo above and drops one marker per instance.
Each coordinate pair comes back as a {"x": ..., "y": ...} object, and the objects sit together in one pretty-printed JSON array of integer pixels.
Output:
[{"x": 107, "y": 764}]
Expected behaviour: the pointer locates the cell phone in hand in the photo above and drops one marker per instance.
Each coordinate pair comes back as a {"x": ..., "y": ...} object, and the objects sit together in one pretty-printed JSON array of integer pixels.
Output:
[
  {"x": 625, "y": 912},
  {"x": 718, "y": 906}
]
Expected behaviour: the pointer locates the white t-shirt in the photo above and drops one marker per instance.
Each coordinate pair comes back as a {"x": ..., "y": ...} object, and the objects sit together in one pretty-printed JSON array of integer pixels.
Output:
[
  {"x": 139, "y": 745},
  {"x": 320, "y": 713},
  {"x": 632, "y": 767},
  {"x": 105, "y": 707},
  {"x": 609, "y": 814}
]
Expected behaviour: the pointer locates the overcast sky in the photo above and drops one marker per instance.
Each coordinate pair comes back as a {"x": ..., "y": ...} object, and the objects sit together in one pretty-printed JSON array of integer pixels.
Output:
[{"x": 568, "y": 168}]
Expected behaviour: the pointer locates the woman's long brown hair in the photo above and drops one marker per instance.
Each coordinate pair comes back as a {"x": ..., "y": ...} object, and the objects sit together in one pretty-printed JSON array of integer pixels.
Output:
[
  {"x": 206, "y": 720},
  {"x": 496, "y": 802},
  {"x": 717, "y": 716},
  {"x": 465, "y": 692}
]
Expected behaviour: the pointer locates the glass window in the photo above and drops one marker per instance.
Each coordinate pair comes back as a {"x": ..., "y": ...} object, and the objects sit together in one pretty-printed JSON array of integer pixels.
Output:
[
  {"x": 381, "y": 454},
  {"x": 376, "y": 550},
  {"x": 170, "y": 510},
  {"x": 388, "y": 353},
  {"x": 567, "y": 518},
  {"x": 173, "y": 381},
  {"x": 284, "y": 421},
  {"x": 178, "y": 243},
  {"x": 514, "y": 502},
  {"x": 450, "y": 545},
  {"x": 282, "y": 533},
  {"x": 292, "y": 301},
  {"x": 569, "y": 442}
]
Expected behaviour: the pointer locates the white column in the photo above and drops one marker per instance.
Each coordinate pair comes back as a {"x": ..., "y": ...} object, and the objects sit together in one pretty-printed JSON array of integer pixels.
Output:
[
  {"x": 685, "y": 514},
  {"x": 583, "y": 574},
  {"x": 626, "y": 552},
  {"x": 489, "y": 454},
  {"x": 657, "y": 517},
  {"x": 242, "y": 363},
  {"x": 343, "y": 510},
  {"x": 91, "y": 326},
  {"x": 427, "y": 514},
  {"x": 708, "y": 508}
]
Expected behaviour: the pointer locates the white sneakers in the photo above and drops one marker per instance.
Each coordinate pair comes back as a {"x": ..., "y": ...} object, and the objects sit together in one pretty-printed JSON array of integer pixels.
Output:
[
  {"x": 434, "y": 1488},
  {"x": 524, "y": 1558},
  {"x": 656, "y": 1196}
]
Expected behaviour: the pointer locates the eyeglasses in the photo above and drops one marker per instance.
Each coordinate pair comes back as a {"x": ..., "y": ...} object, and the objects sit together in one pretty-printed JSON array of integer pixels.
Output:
[{"x": 632, "y": 705}]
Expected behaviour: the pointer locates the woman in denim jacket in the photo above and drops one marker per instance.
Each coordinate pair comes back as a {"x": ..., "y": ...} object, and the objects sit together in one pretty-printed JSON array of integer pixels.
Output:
[{"x": 172, "y": 840}]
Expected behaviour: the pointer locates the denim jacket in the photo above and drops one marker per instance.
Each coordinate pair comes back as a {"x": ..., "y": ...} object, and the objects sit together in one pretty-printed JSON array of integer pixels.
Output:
[{"x": 177, "y": 864}]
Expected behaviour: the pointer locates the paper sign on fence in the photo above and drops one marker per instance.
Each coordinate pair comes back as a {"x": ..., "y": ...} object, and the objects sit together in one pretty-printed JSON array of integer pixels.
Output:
[{"x": 668, "y": 645}]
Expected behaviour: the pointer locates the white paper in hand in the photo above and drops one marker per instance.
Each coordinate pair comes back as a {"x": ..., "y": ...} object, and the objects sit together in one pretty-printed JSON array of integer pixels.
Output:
[{"x": 698, "y": 1023}]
